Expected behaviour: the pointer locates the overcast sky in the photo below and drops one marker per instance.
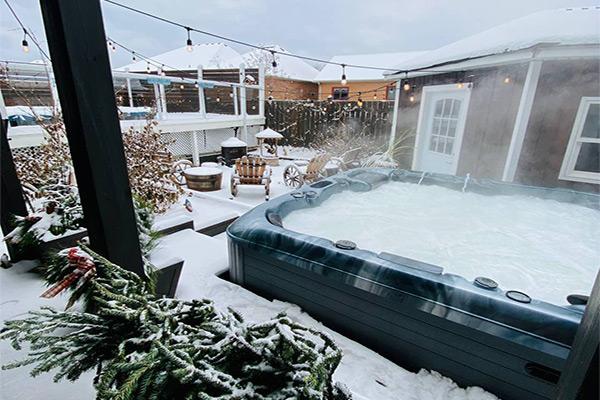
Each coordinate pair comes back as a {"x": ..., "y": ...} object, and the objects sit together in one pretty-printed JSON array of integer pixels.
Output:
[{"x": 319, "y": 28}]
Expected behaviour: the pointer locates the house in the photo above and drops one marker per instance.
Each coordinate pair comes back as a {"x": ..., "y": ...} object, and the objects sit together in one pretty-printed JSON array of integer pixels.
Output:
[
  {"x": 518, "y": 102},
  {"x": 370, "y": 83},
  {"x": 289, "y": 78}
]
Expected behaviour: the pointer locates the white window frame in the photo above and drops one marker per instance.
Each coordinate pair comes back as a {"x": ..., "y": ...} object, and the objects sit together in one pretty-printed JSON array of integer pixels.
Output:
[{"x": 567, "y": 170}]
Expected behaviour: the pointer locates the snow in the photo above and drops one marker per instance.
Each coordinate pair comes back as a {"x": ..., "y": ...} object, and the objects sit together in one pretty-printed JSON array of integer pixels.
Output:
[
  {"x": 331, "y": 72},
  {"x": 544, "y": 248},
  {"x": 203, "y": 171},
  {"x": 209, "y": 55},
  {"x": 567, "y": 26},
  {"x": 287, "y": 67},
  {"x": 268, "y": 134},
  {"x": 367, "y": 375},
  {"x": 233, "y": 142}
]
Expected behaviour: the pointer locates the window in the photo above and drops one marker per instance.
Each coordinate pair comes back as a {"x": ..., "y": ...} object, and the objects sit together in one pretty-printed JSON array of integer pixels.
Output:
[
  {"x": 443, "y": 127},
  {"x": 582, "y": 158},
  {"x": 340, "y": 93}
]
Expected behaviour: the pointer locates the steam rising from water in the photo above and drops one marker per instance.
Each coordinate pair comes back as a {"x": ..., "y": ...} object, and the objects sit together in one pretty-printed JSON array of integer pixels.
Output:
[{"x": 545, "y": 248}]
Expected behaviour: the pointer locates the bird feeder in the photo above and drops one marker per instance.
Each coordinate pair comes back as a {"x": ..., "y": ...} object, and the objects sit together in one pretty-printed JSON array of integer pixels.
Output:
[{"x": 268, "y": 140}]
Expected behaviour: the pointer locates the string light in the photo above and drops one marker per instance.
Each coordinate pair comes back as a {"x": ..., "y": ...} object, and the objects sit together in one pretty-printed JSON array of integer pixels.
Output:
[
  {"x": 406, "y": 86},
  {"x": 411, "y": 98},
  {"x": 344, "y": 80},
  {"x": 148, "y": 67},
  {"x": 24, "y": 43},
  {"x": 181, "y": 86},
  {"x": 189, "y": 44},
  {"x": 196, "y": 85},
  {"x": 375, "y": 96},
  {"x": 274, "y": 63},
  {"x": 162, "y": 69},
  {"x": 218, "y": 99},
  {"x": 133, "y": 56},
  {"x": 507, "y": 79}
]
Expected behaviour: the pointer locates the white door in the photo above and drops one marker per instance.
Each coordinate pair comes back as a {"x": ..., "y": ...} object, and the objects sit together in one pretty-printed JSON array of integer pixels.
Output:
[{"x": 440, "y": 128}]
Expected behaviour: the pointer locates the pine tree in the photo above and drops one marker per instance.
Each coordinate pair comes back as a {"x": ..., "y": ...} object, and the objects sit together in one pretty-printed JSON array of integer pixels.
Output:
[{"x": 144, "y": 347}]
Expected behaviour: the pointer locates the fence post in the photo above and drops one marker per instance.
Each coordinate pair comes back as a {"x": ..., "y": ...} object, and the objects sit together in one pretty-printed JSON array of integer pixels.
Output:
[
  {"x": 129, "y": 95},
  {"x": 243, "y": 100},
  {"x": 395, "y": 116},
  {"x": 157, "y": 99},
  {"x": 201, "y": 98},
  {"x": 236, "y": 108},
  {"x": 261, "y": 90},
  {"x": 195, "y": 152}
]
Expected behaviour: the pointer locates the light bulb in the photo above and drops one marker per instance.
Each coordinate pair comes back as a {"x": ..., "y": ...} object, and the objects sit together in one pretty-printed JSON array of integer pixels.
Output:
[
  {"x": 25, "y": 46},
  {"x": 113, "y": 49},
  {"x": 375, "y": 96},
  {"x": 181, "y": 86},
  {"x": 507, "y": 79},
  {"x": 230, "y": 94},
  {"x": 218, "y": 99},
  {"x": 148, "y": 67},
  {"x": 189, "y": 44},
  {"x": 359, "y": 102},
  {"x": 196, "y": 85},
  {"x": 411, "y": 98},
  {"x": 460, "y": 85},
  {"x": 344, "y": 80},
  {"x": 274, "y": 63},
  {"x": 406, "y": 86}
]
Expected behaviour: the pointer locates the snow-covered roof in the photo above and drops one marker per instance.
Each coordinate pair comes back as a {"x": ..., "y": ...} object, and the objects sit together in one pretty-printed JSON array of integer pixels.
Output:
[
  {"x": 567, "y": 26},
  {"x": 385, "y": 60},
  {"x": 209, "y": 55},
  {"x": 287, "y": 67},
  {"x": 268, "y": 134}
]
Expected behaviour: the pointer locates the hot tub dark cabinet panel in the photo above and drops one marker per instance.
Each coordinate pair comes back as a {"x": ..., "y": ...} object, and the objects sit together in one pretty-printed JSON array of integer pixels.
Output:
[{"x": 410, "y": 312}]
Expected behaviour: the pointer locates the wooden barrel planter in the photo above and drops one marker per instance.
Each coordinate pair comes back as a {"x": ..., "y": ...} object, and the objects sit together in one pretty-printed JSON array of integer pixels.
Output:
[{"x": 203, "y": 179}]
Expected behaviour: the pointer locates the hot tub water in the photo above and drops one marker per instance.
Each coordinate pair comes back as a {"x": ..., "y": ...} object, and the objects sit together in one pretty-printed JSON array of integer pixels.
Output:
[{"x": 545, "y": 248}]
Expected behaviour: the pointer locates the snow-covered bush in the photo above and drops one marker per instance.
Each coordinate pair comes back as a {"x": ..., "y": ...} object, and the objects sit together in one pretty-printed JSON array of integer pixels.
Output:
[{"x": 143, "y": 347}]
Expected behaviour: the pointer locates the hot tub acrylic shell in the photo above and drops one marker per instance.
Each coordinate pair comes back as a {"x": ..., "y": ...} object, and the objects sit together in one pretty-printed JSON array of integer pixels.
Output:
[{"x": 405, "y": 310}]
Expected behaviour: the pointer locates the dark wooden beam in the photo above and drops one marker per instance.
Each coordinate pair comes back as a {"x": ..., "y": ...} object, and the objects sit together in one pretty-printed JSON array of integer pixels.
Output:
[
  {"x": 78, "y": 49},
  {"x": 579, "y": 379},
  {"x": 12, "y": 201}
]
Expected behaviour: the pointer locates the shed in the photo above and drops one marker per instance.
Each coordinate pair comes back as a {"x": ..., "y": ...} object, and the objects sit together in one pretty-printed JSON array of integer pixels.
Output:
[{"x": 518, "y": 102}]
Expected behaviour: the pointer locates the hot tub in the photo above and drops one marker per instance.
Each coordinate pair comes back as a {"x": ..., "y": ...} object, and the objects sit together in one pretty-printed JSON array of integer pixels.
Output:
[{"x": 471, "y": 330}]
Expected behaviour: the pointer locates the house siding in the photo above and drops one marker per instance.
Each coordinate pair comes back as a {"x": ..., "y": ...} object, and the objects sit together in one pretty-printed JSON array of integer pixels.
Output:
[
  {"x": 490, "y": 117},
  {"x": 289, "y": 89},
  {"x": 561, "y": 86}
]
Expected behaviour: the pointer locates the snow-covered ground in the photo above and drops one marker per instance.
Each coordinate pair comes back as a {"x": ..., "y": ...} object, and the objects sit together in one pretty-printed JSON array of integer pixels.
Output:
[
  {"x": 544, "y": 248},
  {"x": 367, "y": 374}
]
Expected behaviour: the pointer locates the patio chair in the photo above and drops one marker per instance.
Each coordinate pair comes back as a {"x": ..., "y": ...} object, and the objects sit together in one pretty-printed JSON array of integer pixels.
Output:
[
  {"x": 250, "y": 171},
  {"x": 315, "y": 170}
]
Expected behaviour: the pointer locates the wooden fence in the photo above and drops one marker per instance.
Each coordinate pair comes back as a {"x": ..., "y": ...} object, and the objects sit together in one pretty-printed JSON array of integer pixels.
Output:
[{"x": 310, "y": 123}]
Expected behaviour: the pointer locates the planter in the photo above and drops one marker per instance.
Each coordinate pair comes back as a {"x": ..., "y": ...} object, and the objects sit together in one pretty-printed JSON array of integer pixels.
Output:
[{"x": 203, "y": 179}]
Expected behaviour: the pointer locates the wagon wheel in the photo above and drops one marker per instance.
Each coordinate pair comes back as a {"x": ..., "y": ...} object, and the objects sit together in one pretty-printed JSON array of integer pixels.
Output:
[
  {"x": 177, "y": 171},
  {"x": 292, "y": 176}
]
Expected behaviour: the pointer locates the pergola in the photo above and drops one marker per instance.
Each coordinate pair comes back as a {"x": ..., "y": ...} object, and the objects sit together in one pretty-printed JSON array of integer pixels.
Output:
[{"x": 77, "y": 43}]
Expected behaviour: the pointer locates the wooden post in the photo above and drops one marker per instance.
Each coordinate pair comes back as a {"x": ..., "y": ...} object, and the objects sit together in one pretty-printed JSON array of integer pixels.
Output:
[
  {"x": 244, "y": 108},
  {"x": 236, "y": 107},
  {"x": 579, "y": 379},
  {"x": 129, "y": 94},
  {"x": 76, "y": 40},
  {"x": 157, "y": 99},
  {"x": 12, "y": 201},
  {"x": 201, "y": 98},
  {"x": 261, "y": 90},
  {"x": 395, "y": 116}
]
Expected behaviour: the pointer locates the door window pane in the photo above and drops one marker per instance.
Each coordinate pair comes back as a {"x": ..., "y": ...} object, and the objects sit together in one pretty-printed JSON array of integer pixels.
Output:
[{"x": 443, "y": 125}]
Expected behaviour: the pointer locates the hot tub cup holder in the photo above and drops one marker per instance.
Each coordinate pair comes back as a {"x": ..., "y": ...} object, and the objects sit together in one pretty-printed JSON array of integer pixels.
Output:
[
  {"x": 311, "y": 194},
  {"x": 345, "y": 244},
  {"x": 297, "y": 195}
]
